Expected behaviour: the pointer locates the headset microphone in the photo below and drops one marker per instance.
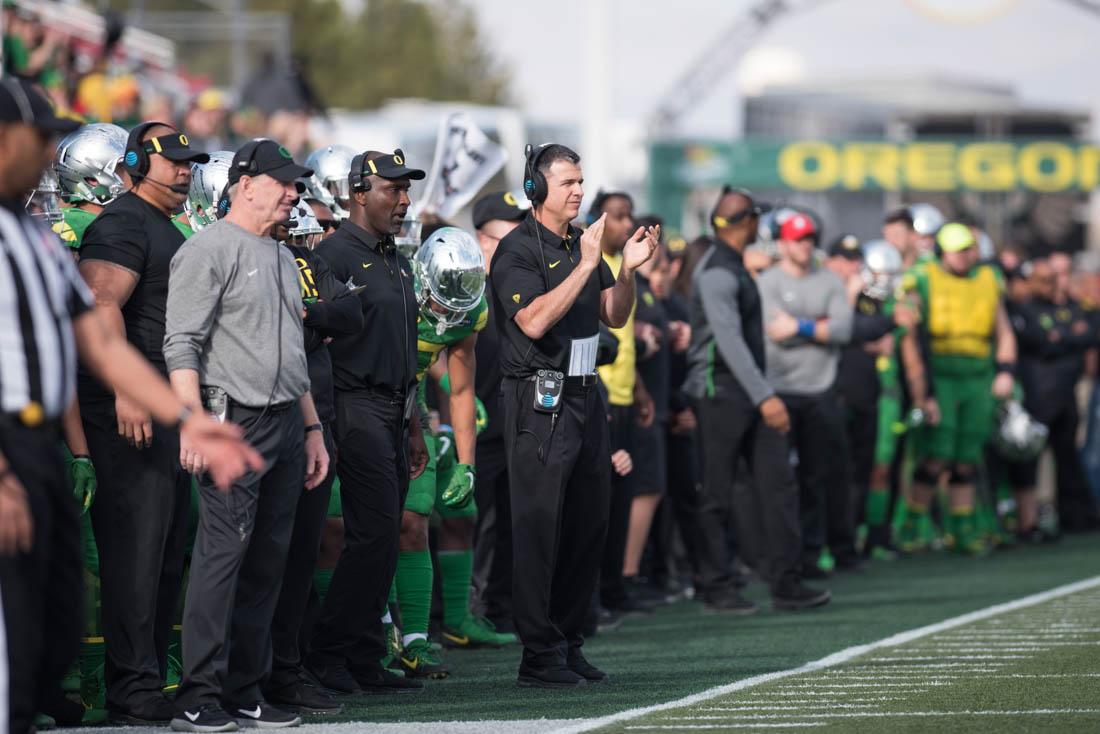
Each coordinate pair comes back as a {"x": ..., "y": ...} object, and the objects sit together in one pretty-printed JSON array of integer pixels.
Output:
[{"x": 175, "y": 188}]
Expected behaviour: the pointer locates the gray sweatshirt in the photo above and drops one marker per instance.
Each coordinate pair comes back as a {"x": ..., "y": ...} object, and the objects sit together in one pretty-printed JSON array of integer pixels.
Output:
[
  {"x": 801, "y": 366},
  {"x": 223, "y": 315}
]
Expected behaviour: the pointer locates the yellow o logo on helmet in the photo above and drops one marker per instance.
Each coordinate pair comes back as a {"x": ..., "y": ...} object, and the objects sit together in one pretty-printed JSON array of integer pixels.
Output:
[{"x": 184, "y": 140}]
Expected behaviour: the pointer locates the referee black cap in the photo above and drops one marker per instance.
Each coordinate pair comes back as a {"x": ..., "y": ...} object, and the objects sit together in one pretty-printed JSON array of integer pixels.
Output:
[{"x": 21, "y": 102}]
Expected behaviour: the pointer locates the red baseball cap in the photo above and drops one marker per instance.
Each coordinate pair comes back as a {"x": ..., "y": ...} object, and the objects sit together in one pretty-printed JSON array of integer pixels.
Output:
[{"x": 797, "y": 227}]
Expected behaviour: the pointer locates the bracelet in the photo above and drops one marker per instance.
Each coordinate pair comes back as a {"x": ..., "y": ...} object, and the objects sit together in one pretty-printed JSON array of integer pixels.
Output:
[
  {"x": 1009, "y": 367},
  {"x": 315, "y": 427},
  {"x": 182, "y": 417},
  {"x": 806, "y": 328}
]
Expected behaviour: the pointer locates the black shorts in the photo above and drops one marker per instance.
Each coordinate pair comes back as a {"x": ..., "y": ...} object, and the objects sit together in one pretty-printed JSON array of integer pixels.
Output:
[{"x": 650, "y": 459}]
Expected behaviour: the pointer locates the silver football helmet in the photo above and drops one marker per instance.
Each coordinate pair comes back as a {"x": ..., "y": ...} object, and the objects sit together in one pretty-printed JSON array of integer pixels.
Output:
[
  {"x": 208, "y": 181},
  {"x": 306, "y": 231},
  {"x": 450, "y": 276},
  {"x": 882, "y": 267},
  {"x": 329, "y": 182},
  {"x": 927, "y": 219},
  {"x": 1018, "y": 436},
  {"x": 408, "y": 239},
  {"x": 87, "y": 160},
  {"x": 45, "y": 201}
]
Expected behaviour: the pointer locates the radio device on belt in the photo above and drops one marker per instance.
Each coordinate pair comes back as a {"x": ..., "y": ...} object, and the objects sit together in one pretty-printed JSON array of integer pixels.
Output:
[
  {"x": 549, "y": 385},
  {"x": 215, "y": 401}
]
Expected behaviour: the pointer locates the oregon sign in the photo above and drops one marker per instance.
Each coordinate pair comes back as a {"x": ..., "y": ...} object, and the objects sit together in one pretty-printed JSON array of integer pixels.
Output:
[{"x": 927, "y": 165}]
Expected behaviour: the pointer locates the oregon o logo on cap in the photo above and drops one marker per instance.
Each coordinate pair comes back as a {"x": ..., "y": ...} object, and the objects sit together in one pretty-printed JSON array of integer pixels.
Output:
[
  {"x": 399, "y": 160},
  {"x": 284, "y": 152},
  {"x": 509, "y": 199},
  {"x": 184, "y": 140}
]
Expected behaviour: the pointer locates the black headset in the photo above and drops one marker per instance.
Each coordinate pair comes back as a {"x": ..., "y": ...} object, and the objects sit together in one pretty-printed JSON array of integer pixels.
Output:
[
  {"x": 247, "y": 165},
  {"x": 719, "y": 222},
  {"x": 534, "y": 180},
  {"x": 358, "y": 178},
  {"x": 136, "y": 159},
  {"x": 22, "y": 101}
]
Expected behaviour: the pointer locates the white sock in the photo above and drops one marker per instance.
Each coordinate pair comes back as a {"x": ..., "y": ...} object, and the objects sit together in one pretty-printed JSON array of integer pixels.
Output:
[
  {"x": 387, "y": 618},
  {"x": 414, "y": 636}
]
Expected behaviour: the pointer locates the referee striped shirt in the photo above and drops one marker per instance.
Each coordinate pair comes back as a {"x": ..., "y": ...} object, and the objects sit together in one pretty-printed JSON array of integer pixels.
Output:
[{"x": 41, "y": 292}]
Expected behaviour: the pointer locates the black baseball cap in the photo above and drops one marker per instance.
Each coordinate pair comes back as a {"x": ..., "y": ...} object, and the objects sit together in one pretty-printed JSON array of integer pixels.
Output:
[
  {"x": 497, "y": 205},
  {"x": 847, "y": 247},
  {"x": 266, "y": 158},
  {"x": 21, "y": 102},
  {"x": 390, "y": 165}
]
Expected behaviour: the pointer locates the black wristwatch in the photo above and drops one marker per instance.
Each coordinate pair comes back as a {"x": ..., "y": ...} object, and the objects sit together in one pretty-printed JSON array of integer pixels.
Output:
[
  {"x": 315, "y": 427},
  {"x": 1009, "y": 367}
]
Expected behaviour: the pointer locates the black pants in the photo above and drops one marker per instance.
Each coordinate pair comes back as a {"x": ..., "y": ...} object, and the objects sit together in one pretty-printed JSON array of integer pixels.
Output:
[
  {"x": 301, "y": 560},
  {"x": 559, "y": 473},
  {"x": 41, "y": 590},
  {"x": 140, "y": 521},
  {"x": 684, "y": 491},
  {"x": 817, "y": 435},
  {"x": 621, "y": 437},
  {"x": 730, "y": 428},
  {"x": 860, "y": 432},
  {"x": 237, "y": 565},
  {"x": 1076, "y": 507},
  {"x": 492, "y": 577},
  {"x": 374, "y": 479}
]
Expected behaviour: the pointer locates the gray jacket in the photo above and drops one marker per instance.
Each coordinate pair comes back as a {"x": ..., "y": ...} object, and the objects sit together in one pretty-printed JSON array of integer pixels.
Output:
[{"x": 225, "y": 297}]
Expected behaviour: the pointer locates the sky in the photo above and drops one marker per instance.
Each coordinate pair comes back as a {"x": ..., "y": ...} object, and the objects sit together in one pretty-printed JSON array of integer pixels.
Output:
[{"x": 1044, "y": 49}]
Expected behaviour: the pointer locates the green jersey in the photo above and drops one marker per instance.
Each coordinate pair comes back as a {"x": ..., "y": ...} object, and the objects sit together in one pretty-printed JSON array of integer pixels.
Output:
[
  {"x": 70, "y": 229},
  {"x": 180, "y": 220},
  {"x": 429, "y": 343}
]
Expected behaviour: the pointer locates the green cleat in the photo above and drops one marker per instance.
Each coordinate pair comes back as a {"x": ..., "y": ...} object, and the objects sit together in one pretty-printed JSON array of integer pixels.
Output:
[
  {"x": 418, "y": 660},
  {"x": 393, "y": 646},
  {"x": 476, "y": 632}
]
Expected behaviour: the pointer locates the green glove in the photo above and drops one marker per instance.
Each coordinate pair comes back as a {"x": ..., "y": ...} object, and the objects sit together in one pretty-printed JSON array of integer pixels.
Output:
[
  {"x": 84, "y": 482},
  {"x": 460, "y": 490},
  {"x": 482, "y": 420}
]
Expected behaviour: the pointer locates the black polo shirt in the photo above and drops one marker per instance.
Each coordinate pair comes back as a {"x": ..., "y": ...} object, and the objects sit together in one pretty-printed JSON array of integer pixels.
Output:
[
  {"x": 517, "y": 277},
  {"x": 383, "y": 354},
  {"x": 134, "y": 234}
]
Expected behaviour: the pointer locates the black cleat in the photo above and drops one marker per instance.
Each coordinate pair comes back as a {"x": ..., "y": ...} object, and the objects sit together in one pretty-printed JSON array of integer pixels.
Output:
[
  {"x": 381, "y": 681},
  {"x": 158, "y": 711},
  {"x": 304, "y": 698},
  {"x": 559, "y": 677},
  {"x": 730, "y": 602},
  {"x": 334, "y": 678},
  {"x": 799, "y": 596},
  {"x": 579, "y": 665}
]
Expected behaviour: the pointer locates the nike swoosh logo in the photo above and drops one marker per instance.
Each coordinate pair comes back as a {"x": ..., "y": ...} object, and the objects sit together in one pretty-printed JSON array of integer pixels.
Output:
[
  {"x": 367, "y": 265},
  {"x": 253, "y": 272},
  {"x": 555, "y": 264},
  {"x": 458, "y": 640},
  {"x": 470, "y": 477},
  {"x": 414, "y": 663},
  {"x": 251, "y": 714},
  {"x": 192, "y": 716}
]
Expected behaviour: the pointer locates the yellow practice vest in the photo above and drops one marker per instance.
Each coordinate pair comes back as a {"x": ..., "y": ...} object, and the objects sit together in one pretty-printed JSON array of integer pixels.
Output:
[
  {"x": 962, "y": 311},
  {"x": 618, "y": 377}
]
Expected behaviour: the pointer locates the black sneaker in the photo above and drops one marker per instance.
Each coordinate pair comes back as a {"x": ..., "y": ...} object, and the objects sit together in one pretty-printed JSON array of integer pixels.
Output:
[
  {"x": 381, "y": 680},
  {"x": 630, "y": 607},
  {"x": 157, "y": 711},
  {"x": 850, "y": 563},
  {"x": 815, "y": 572},
  {"x": 608, "y": 621},
  {"x": 210, "y": 717},
  {"x": 798, "y": 596},
  {"x": 262, "y": 715},
  {"x": 304, "y": 698},
  {"x": 579, "y": 665},
  {"x": 558, "y": 677},
  {"x": 645, "y": 591},
  {"x": 730, "y": 602},
  {"x": 334, "y": 678}
]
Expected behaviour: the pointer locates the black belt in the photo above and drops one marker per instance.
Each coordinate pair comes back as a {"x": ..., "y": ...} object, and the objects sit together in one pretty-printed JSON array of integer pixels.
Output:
[
  {"x": 270, "y": 410},
  {"x": 397, "y": 397},
  {"x": 31, "y": 416},
  {"x": 573, "y": 382}
]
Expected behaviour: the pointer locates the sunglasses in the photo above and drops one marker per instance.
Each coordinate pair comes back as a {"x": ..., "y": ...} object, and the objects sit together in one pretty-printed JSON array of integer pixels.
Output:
[
  {"x": 753, "y": 211},
  {"x": 329, "y": 225}
]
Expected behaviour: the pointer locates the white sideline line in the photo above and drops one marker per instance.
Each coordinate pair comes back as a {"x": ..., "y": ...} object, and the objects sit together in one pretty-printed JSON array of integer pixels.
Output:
[
  {"x": 837, "y": 658},
  {"x": 888, "y": 714}
]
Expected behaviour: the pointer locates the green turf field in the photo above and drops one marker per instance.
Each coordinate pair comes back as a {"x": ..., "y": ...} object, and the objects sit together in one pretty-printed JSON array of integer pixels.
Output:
[{"x": 680, "y": 651}]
